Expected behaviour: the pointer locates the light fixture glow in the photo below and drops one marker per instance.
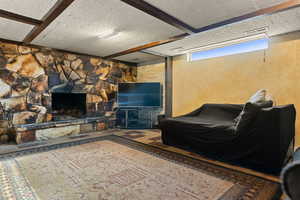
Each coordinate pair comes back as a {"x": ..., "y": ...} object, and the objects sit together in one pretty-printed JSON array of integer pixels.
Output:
[{"x": 108, "y": 34}]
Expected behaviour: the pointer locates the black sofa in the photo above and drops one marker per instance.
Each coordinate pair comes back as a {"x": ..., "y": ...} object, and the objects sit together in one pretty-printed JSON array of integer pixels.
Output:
[
  {"x": 265, "y": 145},
  {"x": 290, "y": 177}
]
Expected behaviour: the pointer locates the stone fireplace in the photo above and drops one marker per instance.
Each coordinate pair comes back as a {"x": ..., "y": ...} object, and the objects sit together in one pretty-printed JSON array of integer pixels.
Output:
[
  {"x": 40, "y": 85},
  {"x": 68, "y": 106}
]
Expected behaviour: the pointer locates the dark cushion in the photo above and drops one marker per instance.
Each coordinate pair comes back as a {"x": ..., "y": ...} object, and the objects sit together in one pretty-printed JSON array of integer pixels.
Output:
[
  {"x": 265, "y": 104},
  {"x": 244, "y": 119},
  {"x": 248, "y": 113}
]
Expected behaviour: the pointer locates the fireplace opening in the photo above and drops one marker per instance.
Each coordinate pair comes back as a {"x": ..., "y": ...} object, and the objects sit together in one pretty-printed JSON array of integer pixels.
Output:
[{"x": 68, "y": 105}]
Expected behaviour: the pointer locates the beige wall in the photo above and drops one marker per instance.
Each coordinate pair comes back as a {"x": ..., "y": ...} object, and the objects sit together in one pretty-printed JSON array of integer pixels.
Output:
[
  {"x": 232, "y": 79},
  {"x": 152, "y": 73}
]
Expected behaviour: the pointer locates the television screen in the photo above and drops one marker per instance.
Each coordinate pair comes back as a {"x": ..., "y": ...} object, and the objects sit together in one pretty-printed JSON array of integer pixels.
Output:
[{"x": 139, "y": 95}]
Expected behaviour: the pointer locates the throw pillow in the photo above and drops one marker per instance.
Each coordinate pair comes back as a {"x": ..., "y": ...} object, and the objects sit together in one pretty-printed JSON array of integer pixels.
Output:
[
  {"x": 259, "y": 96},
  {"x": 264, "y": 104},
  {"x": 245, "y": 117}
]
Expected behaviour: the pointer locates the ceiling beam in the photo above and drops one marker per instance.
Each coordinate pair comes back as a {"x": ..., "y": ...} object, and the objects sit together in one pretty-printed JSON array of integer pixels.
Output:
[
  {"x": 159, "y": 14},
  {"x": 265, "y": 11},
  {"x": 54, "y": 12},
  {"x": 19, "y": 18},
  {"x": 147, "y": 46}
]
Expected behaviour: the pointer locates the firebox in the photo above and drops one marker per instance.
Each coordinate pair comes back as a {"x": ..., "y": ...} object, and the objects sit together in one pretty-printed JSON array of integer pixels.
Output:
[{"x": 68, "y": 105}]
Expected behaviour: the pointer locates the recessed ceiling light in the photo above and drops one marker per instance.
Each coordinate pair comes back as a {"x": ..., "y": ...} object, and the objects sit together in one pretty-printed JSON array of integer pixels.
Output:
[{"x": 108, "y": 34}]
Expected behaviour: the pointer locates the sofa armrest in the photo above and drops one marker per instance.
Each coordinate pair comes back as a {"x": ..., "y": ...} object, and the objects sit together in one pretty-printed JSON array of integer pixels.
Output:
[{"x": 291, "y": 177}]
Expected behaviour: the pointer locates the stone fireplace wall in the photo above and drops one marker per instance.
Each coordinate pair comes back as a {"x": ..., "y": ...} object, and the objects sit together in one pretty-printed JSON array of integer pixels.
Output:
[{"x": 28, "y": 76}]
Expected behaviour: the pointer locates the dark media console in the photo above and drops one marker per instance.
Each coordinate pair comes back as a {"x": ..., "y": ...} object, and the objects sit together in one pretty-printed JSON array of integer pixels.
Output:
[{"x": 137, "y": 118}]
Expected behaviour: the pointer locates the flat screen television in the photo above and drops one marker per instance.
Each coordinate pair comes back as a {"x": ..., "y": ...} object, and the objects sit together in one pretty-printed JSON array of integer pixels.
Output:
[{"x": 139, "y": 94}]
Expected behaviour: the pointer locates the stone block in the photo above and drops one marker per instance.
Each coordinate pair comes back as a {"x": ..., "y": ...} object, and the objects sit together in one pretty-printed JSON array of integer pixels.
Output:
[
  {"x": 74, "y": 76},
  {"x": 39, "y": 84},
  {"x": 34, "y": 98},
  {"x": 92, "y": 79},
  {"x": 93, "y": 98},
  {"x": 88, "y": 68},
  {"x": 6, "y": 76},
  {"x": 70, "y": 57},
  {"x": 81, "y": 73},
  {"x": 4, "y": 139},
  {"x": 77, "y": 64},
  {"x": 9, "y": 48},
  {"x": 2, "y": 62},
  {"x": 91, "y": 107},
  {"x": 15, "y": 93},
  {"x": 67, "y": 69},
  {"x": 48, "y": 117},
  {"x": 67, "y": 63},
  {"x": 24, "y": 118},
  {"x": 53, "y": 79},
  {"x": 100, "y": 126},
  {"x": 44, "y": 59},
  {"x": 4, "y": 124},
  {"x": 95, "y": 61},
  {"x": 25, "y": 136},
  {"x": 63, "y": 78},
  {"x": 24, "y": 50},
  {"x": 15, "y": 104},
  {"x": 116, "y": 72},
  {"x": 84, "y": 128},
  {"x": 45, "y": 134},
  {"x": 26, "y": 66},
  {"x": 4, "y": 89},
  {"x": 21, "y": 83},
  {"x": 4, "y": 131}
]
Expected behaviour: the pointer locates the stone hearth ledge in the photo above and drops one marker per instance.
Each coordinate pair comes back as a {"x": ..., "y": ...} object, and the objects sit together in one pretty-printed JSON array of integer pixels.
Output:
[{"x": 50, "y": 130}]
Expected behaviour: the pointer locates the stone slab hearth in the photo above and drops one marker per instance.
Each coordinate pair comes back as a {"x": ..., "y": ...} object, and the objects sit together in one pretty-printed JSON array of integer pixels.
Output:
[{"x": 50, "y": 130}]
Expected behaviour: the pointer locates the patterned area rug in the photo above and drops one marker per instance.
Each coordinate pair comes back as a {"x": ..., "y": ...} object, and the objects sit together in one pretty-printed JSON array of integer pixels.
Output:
[{"x": 113, "y": 168}]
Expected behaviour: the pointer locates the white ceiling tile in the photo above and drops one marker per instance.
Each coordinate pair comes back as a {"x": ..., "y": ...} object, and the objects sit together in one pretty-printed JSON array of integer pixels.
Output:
[
  {"x": 138, "y": 57},
  {"x": 31, "y": 8},
  {"x": 199, "y": 13},
  {"x": 12, "y": 30},
  {"x": 77, "y": 28},
  {"x": 284, "y": 22}
]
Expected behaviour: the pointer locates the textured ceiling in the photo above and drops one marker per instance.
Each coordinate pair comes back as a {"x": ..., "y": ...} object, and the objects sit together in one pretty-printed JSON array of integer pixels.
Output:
[
  {"x": 30, "y": 8},
  {"x": 278, "y": 23},
  {"x": 138, "y": 57},
  {"x": 77, "y": 28},
  {"x": 13, "y": 30},
  {"x": 199, "y": 13}
]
